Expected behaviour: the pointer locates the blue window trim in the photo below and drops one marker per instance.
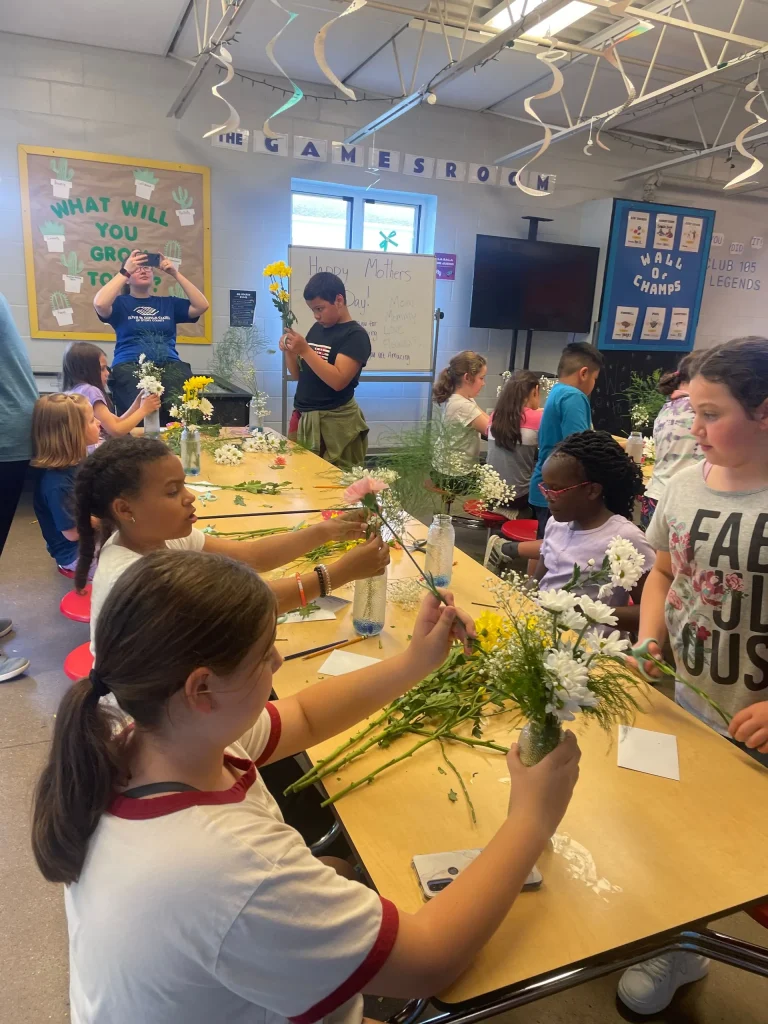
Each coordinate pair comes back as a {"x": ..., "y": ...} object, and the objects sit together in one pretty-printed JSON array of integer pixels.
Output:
[{"x": 427, "y": 206}]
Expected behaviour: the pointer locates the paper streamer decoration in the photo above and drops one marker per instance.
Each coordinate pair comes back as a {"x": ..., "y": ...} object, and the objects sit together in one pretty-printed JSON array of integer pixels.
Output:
[
  {"x": 557, "y": 84},
  {"x": 232, "y": 123},
  {"x": 320, "y": 48},
  {"x": 297, "y": 93},
  {"x": 738, "y": 143},
  {"x": 613, "y": 59}
]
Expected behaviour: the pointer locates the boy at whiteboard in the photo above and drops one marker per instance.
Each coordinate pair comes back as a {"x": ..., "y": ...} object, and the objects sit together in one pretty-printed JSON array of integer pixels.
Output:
[{"x": 327, "y": 365}]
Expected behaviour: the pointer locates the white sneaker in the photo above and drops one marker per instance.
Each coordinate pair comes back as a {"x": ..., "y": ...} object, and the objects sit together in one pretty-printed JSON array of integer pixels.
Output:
[
  {"x": 650, "y": 986},
  {"x": 493, "y": 558}
]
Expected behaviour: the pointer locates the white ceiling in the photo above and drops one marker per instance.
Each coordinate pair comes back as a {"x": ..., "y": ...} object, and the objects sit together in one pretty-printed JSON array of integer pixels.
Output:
[{"x": 147, "y": 26}]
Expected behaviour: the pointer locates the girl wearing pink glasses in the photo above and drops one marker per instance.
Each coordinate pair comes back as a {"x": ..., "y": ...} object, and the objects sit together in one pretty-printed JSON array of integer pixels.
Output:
[{"x": 590, "y": 485}]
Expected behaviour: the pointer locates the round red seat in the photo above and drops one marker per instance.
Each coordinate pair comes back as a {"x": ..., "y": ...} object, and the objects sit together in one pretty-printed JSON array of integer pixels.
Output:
[
  {"x": 77, "y": 606},
  {"x": 78, "y": 663},
  {"x": 69, "y": 573},
  {"x": 474, "y": 508},
  {"x": 519, "y": 529}
]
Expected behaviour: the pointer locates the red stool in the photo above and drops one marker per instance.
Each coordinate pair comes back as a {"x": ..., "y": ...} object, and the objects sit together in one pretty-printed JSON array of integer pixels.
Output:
[
  {"x": 520, "y": 529},
  {"x": 78, "y": 663},
  {"x": 77, "y": 606},
  {"x": 473, "y": 508},
  {"x": 69, "y": 573}
]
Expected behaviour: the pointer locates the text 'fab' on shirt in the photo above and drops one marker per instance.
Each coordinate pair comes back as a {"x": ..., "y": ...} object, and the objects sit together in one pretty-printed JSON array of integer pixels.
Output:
[
  {"x": 134, "y": 320},
  {"x": 348, "y": 339},
  {"x": 717, "y": 604},
  {"x": 203, "y": 907}
]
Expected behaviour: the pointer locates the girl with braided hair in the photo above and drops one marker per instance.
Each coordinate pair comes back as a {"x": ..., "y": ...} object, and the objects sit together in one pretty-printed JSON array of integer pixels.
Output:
[
  {"x": 135, "y": 488},
  {"x": 590, "y": 485}
]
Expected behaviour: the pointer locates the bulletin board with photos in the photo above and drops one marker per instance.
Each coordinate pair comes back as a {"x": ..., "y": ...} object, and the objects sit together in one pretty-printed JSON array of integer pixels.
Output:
[
  {"x": 654, "y": 276},
  {"x": 83, "y": 214}
]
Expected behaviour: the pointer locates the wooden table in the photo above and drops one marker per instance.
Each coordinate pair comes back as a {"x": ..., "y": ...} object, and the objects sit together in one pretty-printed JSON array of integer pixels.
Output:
[{"x": 312, "y": 485}]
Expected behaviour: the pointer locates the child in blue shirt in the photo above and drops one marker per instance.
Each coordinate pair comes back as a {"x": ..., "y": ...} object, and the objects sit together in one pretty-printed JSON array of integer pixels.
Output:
[
  {"x": 62, "y": 428},
  {"x": 567, "y": 411}
]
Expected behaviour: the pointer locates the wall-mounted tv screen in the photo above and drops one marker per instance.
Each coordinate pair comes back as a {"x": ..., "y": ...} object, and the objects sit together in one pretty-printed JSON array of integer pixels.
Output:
[{"x": 539, "y": 286}]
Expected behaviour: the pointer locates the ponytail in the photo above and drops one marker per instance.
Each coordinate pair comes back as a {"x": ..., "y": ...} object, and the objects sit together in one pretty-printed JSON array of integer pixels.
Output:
[
  {"x": 173, "y": 612},
  {"x": 114, "y": 469},
  {"x": 76, "y": 785},
  {"x": 508, "y": 414},
  {"x": 466, "y": 363},
  {"x": 670, "y": 382}
]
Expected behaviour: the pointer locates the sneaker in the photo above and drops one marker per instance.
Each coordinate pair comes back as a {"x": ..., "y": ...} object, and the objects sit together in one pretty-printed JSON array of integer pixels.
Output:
[
  {"x": 494, "y": 558},
  {"x": 5, "y": 627},
  {"x": 649, "y": 987},
  {"x": 12, "y": 667}
]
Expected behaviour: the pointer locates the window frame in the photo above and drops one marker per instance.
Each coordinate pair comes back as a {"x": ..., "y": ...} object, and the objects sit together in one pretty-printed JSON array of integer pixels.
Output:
[{"x": 425, "y": 204}]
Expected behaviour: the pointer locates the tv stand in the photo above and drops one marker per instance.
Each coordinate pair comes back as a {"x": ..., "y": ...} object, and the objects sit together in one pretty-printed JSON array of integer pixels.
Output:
[{"x": 533, "y": 234}]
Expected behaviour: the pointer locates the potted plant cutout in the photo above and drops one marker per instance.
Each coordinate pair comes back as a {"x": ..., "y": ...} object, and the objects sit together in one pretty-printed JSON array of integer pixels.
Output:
[
  {"x": 72, "y": 279},
  {"x": 62, "y": 309},
  {"x": 145, "y": 182},
  {"x": 177, "y": 291},
  {"x": 186, "y": 213},
  {"x": 62, "y": 183},
  {"x": 53, "y": 233},
  {"x": 173, "y": 253}
]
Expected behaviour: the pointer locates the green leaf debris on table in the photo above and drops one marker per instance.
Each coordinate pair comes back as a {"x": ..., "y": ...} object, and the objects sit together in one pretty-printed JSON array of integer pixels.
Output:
[
  {"x": 239, "y": 499},
  {"x": 453, "y": 796}
]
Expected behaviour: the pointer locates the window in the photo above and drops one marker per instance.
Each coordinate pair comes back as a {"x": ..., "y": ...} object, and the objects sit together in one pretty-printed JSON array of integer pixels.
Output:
[{"x": 344, "y": 217}]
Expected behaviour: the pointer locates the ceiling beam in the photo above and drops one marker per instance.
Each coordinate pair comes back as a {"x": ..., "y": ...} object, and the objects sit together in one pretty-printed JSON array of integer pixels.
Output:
[
  {"x": 643, "y": 14},
  {"x": 454, "y": 70},
  {"x": 638, "y": 102},
  {"x": 690, "y": 157},
  {"x": 234, "y": 14}
]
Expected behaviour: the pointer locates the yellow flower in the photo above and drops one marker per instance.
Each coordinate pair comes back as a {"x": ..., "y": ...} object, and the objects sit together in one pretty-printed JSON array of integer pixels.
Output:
[
  {"x": 269, "y": 270},
  {"x": 491, "y": 628},
  {"x": 195, "y": 384},
  {"x": 286, "y": 271},
  {"x": 274, "y": 287},
  {"x": 283, "y": 296}
]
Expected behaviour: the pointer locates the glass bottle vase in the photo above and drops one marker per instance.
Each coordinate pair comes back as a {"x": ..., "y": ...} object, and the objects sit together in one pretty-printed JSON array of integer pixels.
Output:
[
  {"x": 369, "y": 605},
  {"x": 151, "y": 422},
  {"x": 190, "y": 450},
  {"x": 537, "y": 739},
  {"x": 255, "y": 419},
  {"x": 440, "y": 541}
]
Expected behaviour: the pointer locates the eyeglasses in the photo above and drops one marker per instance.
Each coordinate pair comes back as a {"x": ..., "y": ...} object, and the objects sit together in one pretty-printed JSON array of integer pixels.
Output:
[{"x": 550, "y": 493}]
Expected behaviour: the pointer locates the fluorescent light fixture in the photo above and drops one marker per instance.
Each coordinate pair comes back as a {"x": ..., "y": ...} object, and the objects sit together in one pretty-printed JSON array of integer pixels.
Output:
[{"x": 550, "y": 26}]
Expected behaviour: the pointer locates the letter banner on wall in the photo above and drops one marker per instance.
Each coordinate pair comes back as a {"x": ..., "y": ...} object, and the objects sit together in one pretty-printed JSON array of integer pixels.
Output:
[{"x": 654, "y": 276}]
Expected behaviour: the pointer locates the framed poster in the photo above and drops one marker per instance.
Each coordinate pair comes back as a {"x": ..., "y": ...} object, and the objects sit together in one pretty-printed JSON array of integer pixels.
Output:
[
  {"x": 655, "y": 273},
  {"x": 83, "y": 213}
]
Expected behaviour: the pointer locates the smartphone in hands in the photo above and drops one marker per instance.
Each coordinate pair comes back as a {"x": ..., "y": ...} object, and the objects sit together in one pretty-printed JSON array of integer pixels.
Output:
[{"x": 153, "y": 259}]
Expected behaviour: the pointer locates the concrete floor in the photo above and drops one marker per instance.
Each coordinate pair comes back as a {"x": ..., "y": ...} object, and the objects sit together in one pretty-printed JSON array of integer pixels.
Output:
[{"x": 33, "y": 937}]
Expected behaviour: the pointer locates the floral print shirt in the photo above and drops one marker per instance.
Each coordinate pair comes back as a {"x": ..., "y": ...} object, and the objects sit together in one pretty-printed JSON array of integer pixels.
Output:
[
  {"x": 717, "y": 605},
  {"x": 676, "y": 447}
]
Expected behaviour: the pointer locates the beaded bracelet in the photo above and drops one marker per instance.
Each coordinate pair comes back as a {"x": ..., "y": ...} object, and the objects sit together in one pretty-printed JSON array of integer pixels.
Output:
[{"x": 324, "y": 578}]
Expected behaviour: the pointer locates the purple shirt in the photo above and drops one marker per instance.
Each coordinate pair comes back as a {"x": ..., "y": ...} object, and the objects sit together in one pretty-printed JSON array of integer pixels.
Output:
[
  {"x": 564, "y": 545},
  {"x": 94, "y": 395}
]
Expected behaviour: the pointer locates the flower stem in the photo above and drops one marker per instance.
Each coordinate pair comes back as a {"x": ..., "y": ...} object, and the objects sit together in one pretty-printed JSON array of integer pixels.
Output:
[{"x": 457, "y": 773}]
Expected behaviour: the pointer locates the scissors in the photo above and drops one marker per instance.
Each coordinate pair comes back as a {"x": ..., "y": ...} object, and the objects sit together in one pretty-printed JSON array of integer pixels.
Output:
[{"x": 641, "y": 653}]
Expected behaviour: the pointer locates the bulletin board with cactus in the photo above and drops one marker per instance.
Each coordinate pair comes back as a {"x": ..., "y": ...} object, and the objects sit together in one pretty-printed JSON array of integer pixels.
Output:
[{"x": 85, "y": 212}]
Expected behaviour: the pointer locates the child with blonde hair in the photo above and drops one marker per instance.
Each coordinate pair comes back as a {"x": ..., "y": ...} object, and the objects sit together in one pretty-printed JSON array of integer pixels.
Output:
[{"x": 63, "y": 426}]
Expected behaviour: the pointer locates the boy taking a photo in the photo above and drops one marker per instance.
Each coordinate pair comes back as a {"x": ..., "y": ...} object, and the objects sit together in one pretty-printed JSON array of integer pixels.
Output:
[{"x": 327, "y": 365}]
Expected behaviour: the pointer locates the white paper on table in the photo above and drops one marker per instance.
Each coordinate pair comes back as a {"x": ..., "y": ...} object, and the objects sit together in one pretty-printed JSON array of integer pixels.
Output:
[
  {"x": 338, "y": 663},
  {"x": 201, "y": 486},
  {"x": 316, "y": 615},
  {"x": 332, "y": 603},
  {"x": 654, "y": 753}
]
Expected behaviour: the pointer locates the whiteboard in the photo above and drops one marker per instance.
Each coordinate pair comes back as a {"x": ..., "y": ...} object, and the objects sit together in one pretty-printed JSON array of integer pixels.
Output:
[{"x": 392, "y": 296}]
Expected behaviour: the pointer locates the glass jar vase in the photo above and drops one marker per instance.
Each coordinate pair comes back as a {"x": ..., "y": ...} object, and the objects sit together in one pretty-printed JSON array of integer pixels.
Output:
[
  {"x": 255, "y": 418},
  {"x": 190, "y": 450},
  {"x": 537, "y": 739},
  {"x": 151, "y": 421},
  {"x": 369, "y": 605},
  {"x": 440, "y": 541}
]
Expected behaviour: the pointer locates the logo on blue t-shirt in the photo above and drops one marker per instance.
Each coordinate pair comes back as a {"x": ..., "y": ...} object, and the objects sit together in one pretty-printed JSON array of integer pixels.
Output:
[{"x": 146, "y": 311}]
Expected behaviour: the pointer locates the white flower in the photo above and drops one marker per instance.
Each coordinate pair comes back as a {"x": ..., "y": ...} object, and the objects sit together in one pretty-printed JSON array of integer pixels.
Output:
[
  {"x": 570, "y": 673},
  {"x": 626, "y": 563},
  {"x": 150, "y": 384},
  {"x": 228, "y": 455},
  {"x": 206, "y": 408},
  {"x": 556, "y": 601},
  {"x": 142, "y": 357},
  {"x": 271, "y": 443},
  {"x": 590, "y": 562},
  {"x": 505, "y": 375},
  {"x": 596, "y": 611},
  {"x": 174, "y": 411},
  {"x": 649, "y": 449},
  {"x": 611, "y": 646},
  {"x": 571, "y": 619},
  {"x": 493, "y": 490}
]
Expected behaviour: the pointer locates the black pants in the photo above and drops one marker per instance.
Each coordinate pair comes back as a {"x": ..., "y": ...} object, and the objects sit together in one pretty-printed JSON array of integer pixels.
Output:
[
  {"x": 12, "y": 476},
  {"x": 122, "y": 384},
  {"x": 542, "y": 517}
]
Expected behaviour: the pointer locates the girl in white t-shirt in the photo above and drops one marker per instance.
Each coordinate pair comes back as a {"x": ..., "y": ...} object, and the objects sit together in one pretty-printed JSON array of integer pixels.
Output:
[
  {"x": 188, "y": 898},
  {"x": 135, "y": 487},
  {"x": 455, "y": 392}
]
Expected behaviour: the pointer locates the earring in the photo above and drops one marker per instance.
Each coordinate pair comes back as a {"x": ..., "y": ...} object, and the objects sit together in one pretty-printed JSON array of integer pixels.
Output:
[{"x": 133, "y": 520}]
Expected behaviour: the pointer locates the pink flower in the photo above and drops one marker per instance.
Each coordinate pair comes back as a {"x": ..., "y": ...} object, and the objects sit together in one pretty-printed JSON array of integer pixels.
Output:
[
  {"x": 280, "y": 460},
  {"x": 674, "y": 599},
  {"x": 358, "y": 490},
  {"x": 708, "y": 585},
  {"x": 734, "y": 581},
  {"x": 702, "y": 633},
  {"x": 331, "y": 513}
]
